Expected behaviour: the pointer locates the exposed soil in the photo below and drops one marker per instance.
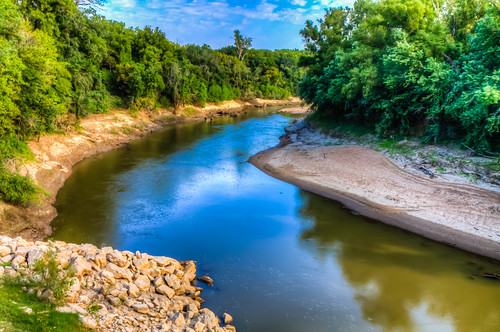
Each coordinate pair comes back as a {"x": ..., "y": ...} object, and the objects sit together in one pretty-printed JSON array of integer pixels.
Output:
[
  {"x": 368, "y": 182},
  {"x": 55, "y": 154}
]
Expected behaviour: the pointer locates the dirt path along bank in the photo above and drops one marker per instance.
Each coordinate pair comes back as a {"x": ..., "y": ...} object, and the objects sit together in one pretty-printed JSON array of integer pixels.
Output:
[{"x": 368, "y": 182}]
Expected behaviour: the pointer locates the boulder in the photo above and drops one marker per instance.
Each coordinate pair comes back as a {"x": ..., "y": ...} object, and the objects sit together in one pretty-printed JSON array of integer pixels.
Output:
[
  {"x": 133, "y": 290},
  {"x": 34, "y": 255},
  {"x": 116, "y": 258},
  {"x": 4, "y": 251},
  {"x": 178, "y": 320},
  {"x": 141, "y": 263},
  {"x": 100, "y": 260},
  {"x": 207, "y": 280},
  {"x": 142, "y": 282},
  {"x": 141, "y": 308},
  {"x": 165, "y": 290},
  {"x": 81, "y": 267}
]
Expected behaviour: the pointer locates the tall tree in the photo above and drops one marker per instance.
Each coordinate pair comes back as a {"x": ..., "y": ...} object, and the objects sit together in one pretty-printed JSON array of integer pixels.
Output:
[{"x": 242, "y": 43}]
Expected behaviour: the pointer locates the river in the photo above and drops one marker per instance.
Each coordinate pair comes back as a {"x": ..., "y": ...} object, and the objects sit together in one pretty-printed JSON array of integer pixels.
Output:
[{"x": 283, "y": 259}]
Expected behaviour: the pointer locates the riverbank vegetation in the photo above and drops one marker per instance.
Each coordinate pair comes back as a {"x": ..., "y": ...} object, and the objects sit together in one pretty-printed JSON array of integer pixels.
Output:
[
  {"x": 425, "y": 68},
  {"x": 58, "y": 59}
]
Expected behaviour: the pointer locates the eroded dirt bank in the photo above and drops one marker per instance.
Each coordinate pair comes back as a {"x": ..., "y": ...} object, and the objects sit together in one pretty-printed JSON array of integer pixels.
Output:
[
  {"x": 368, "y": 182},
  {"x": 55, "y": 155}
]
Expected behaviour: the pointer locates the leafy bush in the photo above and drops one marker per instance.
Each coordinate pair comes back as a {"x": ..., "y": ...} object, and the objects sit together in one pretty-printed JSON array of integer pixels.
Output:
[{"x": 17, "y": 189}]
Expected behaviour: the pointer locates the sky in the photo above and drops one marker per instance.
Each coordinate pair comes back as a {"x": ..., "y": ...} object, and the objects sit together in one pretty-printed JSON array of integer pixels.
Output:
[{"x": 272, "y": 24}]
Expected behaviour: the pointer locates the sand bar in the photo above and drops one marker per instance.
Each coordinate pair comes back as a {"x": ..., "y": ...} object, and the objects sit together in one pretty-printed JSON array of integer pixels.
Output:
[{"x": 366, "y": 181}]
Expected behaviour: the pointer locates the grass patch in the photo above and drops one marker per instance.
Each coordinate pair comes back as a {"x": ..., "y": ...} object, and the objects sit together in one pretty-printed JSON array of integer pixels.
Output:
[
  {"x": 127, "y": 130},
  {"x": 15, "y": 305},
  {"x": 394, "y": 147},
  {"x": 188, "y": 111}
]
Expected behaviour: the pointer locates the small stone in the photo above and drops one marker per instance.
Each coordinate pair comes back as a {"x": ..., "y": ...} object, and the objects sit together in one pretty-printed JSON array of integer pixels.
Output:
[
  {"x": 89, "y": 322},
  {"x": 191, "y": 307},
  {"x": 115, "y": 301},
  {"x": 199, "y": 326},
  {"x": 165, "y": 290},
  {"x": 142, "y": 282},
  {"x": 108, "y": 277},
  {"x": 207, "y": 280},
  {"x": 141, "y": 263},
  {"x": 116, "y": 257},
  {"x": 4, "y": 251},
  {"x": 18, "y": 260},
  {"x": 158, "y": 281},
  {"x": 133, "y": 290},
  {"x": 118, "y": 272},
  {"x": 190, "y": 268},
  {"x": 100, "y": 260},
  {"x": 178, "y": 320},
  {"x": 34, "y": 255},
  {"x": 227, "y": 318},
  {"x": 22, "y": 251},
  {"x": 6, "y": 259},
  {"x": 230, "y": 328},
  {"x": 141, "y": 308},
  {"x": 81, "y": 267}
]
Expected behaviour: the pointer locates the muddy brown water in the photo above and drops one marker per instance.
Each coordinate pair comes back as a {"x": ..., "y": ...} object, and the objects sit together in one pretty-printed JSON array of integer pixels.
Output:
[{"x": 282, "y": 259}]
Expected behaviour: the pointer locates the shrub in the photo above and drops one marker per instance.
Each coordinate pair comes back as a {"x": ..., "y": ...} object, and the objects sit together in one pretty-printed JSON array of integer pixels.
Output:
[{"x": 17, "y": 189}]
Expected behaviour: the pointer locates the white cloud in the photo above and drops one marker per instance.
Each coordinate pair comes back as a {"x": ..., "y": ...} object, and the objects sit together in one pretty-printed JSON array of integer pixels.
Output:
[{"x": 298, "y": 2}]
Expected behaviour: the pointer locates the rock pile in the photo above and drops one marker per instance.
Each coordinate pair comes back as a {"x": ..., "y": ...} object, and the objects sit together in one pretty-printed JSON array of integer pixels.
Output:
[{"x": 115, "y": 290}]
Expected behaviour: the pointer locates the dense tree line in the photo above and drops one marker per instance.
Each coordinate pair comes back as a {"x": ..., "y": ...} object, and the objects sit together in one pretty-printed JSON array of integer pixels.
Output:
[
  {"x": 57, "y": 57},
  {"x": 429, "y": 68}
]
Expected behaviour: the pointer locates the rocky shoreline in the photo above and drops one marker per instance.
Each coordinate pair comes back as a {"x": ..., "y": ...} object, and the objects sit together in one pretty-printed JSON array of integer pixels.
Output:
[
  {"x": 115, "y": 290},
  {"x": 55, "y": 154},
  {"x": 369, "y": 183}
]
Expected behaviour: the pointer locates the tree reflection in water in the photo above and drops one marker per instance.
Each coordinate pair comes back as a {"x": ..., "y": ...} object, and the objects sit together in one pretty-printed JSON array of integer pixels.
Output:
[{"x": 402, "y": 281}]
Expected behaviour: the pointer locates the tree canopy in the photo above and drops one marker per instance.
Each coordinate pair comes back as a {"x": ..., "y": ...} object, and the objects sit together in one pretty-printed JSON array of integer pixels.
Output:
[{"x": 429, "y": 68}]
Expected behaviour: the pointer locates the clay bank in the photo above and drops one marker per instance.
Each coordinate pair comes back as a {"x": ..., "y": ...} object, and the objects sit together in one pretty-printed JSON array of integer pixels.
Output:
[{"x": 369, "y": 183}]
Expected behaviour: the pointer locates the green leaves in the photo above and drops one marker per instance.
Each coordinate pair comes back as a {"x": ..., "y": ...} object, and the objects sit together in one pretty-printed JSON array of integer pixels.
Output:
[{"x": 385, "y": 63}]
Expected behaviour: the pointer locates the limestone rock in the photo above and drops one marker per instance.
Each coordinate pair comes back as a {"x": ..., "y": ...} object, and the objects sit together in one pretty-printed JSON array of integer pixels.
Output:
[
  {"x": 227, "y": 318},
  {"x": 141, "y": 308},
  {"x": 133, "y": 290},
  {"x": 207, "y": 280},
  {"x": 81, "y": 267},
  {"x": 142, "y": 282},
  {"x": 116, "y": 258},
  {"x": 34, "y": 255},
  {"x": 178, "y": 320},
  {"x": 165, "y": 290},
  {"x": 4, "y": 251},
  {"x": 141, "y": 263},
  {"x": 100, "y": 260}
]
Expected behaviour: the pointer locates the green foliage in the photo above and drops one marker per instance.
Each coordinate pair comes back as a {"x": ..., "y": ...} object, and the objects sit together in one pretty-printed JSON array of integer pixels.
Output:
[
  {"x": 47, "y": 276},
  {"x": 17, "y": 189},
  {"x": 409, "y": 67}
]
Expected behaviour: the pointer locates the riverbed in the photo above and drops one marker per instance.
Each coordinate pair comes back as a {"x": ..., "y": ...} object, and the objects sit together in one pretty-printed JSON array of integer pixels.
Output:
[{"x": 283, "y": 259}]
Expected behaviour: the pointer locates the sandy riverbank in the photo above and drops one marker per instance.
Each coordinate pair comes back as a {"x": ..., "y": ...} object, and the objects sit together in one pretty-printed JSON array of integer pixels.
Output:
[
  {"x": 56, "y": 154},
  {"x": 366, "y": 181}
]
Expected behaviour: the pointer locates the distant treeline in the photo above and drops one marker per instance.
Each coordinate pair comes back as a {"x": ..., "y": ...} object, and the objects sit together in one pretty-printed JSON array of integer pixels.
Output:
[
  {"x": 428, "y": 68},
  {"x": 57, "y": 58}
]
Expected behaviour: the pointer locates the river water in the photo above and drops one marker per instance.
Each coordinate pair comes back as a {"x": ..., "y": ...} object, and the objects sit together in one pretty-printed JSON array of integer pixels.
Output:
[{"x": 283, "y": 259}]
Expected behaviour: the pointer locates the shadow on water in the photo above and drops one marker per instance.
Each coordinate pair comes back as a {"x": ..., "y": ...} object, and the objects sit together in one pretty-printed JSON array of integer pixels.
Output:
[{"x": 401, "y": 281}]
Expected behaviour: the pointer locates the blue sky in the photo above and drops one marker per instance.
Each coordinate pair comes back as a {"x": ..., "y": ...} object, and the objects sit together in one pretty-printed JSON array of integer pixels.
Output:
[{"x": 273, "y": 24}]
